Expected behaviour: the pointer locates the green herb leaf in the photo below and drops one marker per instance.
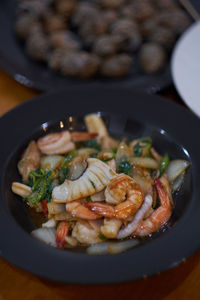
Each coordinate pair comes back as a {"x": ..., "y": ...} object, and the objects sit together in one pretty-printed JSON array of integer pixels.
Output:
[
  {"x": 64, "y": 169},
  {"x": 41, "y": 183},
  {"x": 62, "y": 174},
  {"x": 114, "y": 151},
  {"x": 137, "y": 150},
  {"x": 94, "y": 155},
  {"x": 125, "y": 167},
  {"x": 102, "y": 237},
  {"x": 146, "y": 140},
  {"x": 89, "y": 144},
  {"x": 93, "y": 184},
  {"x": 106, "y": 159},
  {"x": 68, "y": 158},
  {"x": 142, "y": 147},
  {"x": 88, "y": 199},
  {"x": 164, "y": 164}
]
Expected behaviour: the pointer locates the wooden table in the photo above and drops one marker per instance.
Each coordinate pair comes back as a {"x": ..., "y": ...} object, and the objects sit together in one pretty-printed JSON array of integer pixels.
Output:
[{"x": 182, "y": 282}]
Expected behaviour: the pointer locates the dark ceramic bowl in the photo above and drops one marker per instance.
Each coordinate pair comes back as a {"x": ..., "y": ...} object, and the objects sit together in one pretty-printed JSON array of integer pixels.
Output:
[
  {"x": 126, "y": 113},
  {"x": 22, "y": 68},
  {"x": 28, "y": 72}
]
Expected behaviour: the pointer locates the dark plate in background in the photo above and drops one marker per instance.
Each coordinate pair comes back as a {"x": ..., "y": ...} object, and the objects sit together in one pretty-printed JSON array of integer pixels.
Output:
[
  {"x": 126, "y": 112},
  {"x": 16, "y": 62}
]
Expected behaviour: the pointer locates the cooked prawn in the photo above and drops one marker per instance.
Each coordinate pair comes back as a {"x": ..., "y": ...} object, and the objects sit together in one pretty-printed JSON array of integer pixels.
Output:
[
  {"x": 160, "y": 215},
  {"x": 78, "y": 210},
  {"x": 30, "y": 160},
  {"x": 131, "y": 227},
  {"x": 80, "y": 136},
  {"x": 87, "y": 232},
  {"x": 62, "y": 142},
  {"x": 123, "y": 191},
  {"x": 61, "y": 232},
  {"x": 111, "y": 227}
]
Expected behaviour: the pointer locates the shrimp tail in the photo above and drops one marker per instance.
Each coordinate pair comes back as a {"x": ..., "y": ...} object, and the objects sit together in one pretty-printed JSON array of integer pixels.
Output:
[
  {"x": 83, "y": 136},
  {"x": 162, "y": 192},
  {"x": 78, "y": 210},
  {"x": 159, "y": 216},
  {"x": 101, "y": 209},
  {"x": 61, "y": 233}
]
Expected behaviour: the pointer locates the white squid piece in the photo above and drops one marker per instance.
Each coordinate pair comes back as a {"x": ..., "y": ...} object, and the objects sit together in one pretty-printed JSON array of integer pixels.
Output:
[{"x": 93, "y": 180}]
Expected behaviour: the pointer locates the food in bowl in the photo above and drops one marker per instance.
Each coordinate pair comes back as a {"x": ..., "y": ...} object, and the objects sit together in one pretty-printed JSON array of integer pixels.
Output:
[
  {"x": 97, "y": 191},
  {"x": 85, "y": 39}
]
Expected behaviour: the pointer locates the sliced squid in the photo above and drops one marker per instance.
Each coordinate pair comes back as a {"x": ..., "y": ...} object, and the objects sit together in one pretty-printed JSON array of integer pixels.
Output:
[{"x": 93, "y": 180}]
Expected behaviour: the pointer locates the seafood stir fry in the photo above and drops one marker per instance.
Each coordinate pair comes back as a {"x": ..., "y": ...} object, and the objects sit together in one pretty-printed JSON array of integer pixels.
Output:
[{"x": 97, "y": 191}]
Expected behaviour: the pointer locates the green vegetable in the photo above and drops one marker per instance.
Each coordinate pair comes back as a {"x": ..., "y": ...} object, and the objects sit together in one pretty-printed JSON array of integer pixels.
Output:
[
  {"x": 62, "y": 174},
  {"x": 125, "y": 167},
  {"x": 146, "y": 140},
  {"x": 143, "y": 145},
  {"x": 89, "y": 144},
  {"x": 102, "y": 237},
  {"x": 106, "y": 159},
  {"x": 154, "y": 173},
  {"x": 164, "y": 164},
  {"x": 88, "y": 199},
  {"x": 41, "y": 183},
  {"x": 114, "y": 151},
  {"x": 127, "y": 142},
  {"x": 68, "y": 158},
  {"x": 64, "y": 170},
  {"x": 94, "y": 155},
  {"x": 137, "y": 150},
  {"x": 93, "y": 184}
]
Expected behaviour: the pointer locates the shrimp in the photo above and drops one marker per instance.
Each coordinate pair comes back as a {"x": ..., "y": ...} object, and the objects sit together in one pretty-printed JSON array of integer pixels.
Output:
[
  {"x": 160, "y": 215},
  {"x": 61, "y": 232},
  {"x": 83, "y": 136},
  {"x": 111, "y": 227},
  {"x": 62, "y": 142},
  {"x": 130, "y": 228},
  {"x": 30, "y": 160},
  {"x": 87, "y": 232},
  {"x": 123, "y": 191},
  {"x": 78, "y": 210}
]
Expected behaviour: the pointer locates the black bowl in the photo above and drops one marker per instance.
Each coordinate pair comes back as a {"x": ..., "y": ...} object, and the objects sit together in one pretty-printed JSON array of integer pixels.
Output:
[
  {"x": 126, "y": 112},
  {"x": 28, "y": 72}
]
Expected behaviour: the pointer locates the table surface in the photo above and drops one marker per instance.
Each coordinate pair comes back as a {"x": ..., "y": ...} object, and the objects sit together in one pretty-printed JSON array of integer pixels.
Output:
[{"x": 182, "y": 282}]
